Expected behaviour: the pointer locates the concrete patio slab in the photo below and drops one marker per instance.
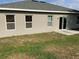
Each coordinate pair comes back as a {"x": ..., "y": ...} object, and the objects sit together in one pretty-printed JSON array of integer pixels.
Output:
[{"x": 67, "y": 32}]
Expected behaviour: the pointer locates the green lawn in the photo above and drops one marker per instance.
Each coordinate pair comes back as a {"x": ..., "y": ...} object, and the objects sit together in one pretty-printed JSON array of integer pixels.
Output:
[{"x": 40, "y": 46}]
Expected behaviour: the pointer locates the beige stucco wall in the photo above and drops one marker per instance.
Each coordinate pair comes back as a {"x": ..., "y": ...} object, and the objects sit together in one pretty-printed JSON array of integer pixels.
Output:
[{"x": 39, "y": 24}]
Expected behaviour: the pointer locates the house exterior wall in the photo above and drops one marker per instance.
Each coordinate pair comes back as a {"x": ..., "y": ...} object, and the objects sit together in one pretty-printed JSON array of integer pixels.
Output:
[
  {"x": 39, "y": 24},
  {"x": 72, "y": 22},
  {"x": 57, "y": 20}
]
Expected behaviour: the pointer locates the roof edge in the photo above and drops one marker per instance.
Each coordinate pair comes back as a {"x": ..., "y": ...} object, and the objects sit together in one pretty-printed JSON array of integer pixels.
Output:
[{"x": 33, "y": 10}]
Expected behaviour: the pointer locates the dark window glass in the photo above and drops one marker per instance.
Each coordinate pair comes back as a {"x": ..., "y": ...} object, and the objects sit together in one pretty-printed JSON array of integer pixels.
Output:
[
  {"x": 77, "y": 20},
  {"x": 10, "y": 25},
  {"x": 9, "y": 18},
  {"x": 28, "y": 18},
  {"x": 28, "y": 25}
]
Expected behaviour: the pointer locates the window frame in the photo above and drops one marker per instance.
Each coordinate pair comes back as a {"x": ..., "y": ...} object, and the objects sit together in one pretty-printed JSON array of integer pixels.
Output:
[
  {"x": 49, "y": 21},
  {"x": 11, "y": 23},
  {"x": 28, "y": 22}
]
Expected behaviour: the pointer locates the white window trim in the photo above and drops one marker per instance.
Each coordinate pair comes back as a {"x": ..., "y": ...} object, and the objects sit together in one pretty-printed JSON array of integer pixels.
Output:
[
  {"x": 10, "y": 22},
  {"x": 51, "y": 22},
  {"x": 28, "y": 22}
]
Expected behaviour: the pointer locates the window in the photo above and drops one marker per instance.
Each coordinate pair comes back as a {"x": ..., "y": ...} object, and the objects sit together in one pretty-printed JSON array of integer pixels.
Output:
[
  {"x": 77, "y": 20},
  {"x": 10, "y": 21},
  {"x": 28, "y": 21},
  {"x": 49, "y": 20}
]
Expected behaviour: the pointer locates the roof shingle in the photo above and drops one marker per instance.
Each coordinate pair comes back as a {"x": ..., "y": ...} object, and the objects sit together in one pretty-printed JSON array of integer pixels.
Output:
[{"x": 37, "y": 5}]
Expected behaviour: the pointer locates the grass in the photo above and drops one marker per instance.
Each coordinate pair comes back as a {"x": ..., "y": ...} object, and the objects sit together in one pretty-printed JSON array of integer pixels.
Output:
[{"x": 40, "y": 46}]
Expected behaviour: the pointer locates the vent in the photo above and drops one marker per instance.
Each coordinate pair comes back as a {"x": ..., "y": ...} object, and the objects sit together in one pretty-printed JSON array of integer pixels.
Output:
[
  {"x": 28, "y": 0},
  {"x": 35, "y": 1},
  {"x": 38, "y": 1},
  {"x": 42, "y": 2}
]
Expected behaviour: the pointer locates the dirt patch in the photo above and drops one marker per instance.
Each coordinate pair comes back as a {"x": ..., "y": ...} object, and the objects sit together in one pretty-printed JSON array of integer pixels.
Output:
[
  {"x": 20, "y": 56},
  {"x": 19, "y": 40},
  {"x": 63, "y": 52}
]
